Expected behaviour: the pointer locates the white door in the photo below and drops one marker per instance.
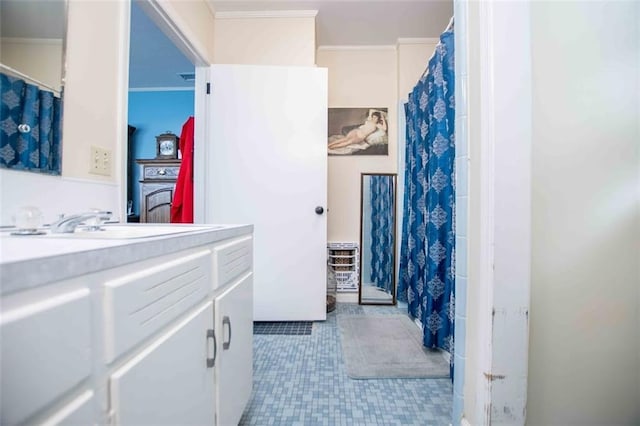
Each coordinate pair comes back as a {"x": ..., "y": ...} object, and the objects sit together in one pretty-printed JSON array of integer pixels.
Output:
[
  {"x": 234, "y": 365},
  {"x": 267, "y": 166},
  {"x": 170, "y": 382}
]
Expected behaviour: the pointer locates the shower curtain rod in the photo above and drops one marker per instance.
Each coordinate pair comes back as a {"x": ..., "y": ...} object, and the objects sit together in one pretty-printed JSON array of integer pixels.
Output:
[{"x": 31, "y": 79}]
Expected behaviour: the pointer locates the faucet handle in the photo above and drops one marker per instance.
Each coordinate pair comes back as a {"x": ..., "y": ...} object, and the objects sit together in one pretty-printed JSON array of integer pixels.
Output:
[{"x": 100, "y": 217}]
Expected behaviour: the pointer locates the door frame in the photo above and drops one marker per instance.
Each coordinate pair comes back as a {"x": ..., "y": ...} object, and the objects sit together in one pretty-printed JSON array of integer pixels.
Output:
[
  {"x": 499, "y": 138},
  {"x": 197, "y": 54}
]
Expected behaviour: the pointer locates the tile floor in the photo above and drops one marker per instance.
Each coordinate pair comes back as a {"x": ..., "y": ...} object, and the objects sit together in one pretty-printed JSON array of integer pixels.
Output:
[{"x": 301, "y": 380}]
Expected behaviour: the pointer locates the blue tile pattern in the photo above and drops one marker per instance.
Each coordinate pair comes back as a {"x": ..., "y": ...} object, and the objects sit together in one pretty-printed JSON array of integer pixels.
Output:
[
  {"x": 283, "y": 327},
  {"x": 301, "y": 380}
]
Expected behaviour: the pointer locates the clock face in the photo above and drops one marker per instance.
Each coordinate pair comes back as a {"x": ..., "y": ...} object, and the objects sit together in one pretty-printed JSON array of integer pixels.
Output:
[{"x": 166, "y": 147}]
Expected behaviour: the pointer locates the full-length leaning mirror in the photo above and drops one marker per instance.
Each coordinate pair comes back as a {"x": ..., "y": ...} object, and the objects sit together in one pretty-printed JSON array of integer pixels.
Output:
[{"x": 377, "y": 239}]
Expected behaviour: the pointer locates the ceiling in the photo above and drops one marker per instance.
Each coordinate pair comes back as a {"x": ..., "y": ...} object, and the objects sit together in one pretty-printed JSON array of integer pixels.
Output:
[
  {"x": 32, "y": 19},
  {"x": 360, "y": 22},
  {"x": 156, "y": 62}
]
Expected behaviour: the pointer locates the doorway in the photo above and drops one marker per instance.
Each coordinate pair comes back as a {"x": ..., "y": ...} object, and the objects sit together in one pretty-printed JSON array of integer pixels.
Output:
[{"x": 161, "y": 98}]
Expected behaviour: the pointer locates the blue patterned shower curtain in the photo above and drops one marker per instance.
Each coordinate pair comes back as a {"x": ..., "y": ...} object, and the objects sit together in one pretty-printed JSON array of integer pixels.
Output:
[
  {"x": 30, "y": 127},
  {"x": 382, "y": 192},
  {"x": 427, "y": 251}
]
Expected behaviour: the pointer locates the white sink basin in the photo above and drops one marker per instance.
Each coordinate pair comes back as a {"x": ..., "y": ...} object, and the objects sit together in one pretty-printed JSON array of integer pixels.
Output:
[{"x": 119, "y": 232}]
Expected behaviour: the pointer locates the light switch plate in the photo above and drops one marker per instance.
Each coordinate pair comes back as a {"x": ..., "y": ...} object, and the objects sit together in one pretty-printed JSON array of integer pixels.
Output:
[{"x": 100, "y": 161}]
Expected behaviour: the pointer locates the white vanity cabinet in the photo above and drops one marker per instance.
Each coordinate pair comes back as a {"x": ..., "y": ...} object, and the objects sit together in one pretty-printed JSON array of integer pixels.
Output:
[
  {"x": 156, "y": 341},
  {"x": 234, "y": 369},
  {"x": 169, "y": 381},
  {"x": 198, "y": 371},
  {"x": 233, "y": 282},
  {"x": 165, "y": 340},
  {"x": 45, "y": 339}
]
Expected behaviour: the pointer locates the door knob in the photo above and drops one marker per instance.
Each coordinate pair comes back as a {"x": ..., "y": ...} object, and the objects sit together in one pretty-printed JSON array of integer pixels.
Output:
[{"x": 319, "y": 210}]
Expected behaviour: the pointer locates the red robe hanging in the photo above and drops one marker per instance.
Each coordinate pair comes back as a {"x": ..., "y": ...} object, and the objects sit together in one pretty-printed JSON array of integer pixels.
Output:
[{"x": 182, "y": 206}]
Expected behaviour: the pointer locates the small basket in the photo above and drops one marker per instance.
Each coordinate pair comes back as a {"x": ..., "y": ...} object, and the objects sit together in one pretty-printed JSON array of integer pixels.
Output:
[{"x": 344, "y": 263}]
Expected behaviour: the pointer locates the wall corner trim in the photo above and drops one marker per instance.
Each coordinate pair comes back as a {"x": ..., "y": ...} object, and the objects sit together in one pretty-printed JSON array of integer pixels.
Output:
[
  {"x": 211, "y": 7},
  {"x": 252, "y": 14}
]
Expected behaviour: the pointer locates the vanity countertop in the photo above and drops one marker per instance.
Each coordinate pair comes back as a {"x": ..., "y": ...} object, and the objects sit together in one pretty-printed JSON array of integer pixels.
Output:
[{"x": 32, "y": 261}]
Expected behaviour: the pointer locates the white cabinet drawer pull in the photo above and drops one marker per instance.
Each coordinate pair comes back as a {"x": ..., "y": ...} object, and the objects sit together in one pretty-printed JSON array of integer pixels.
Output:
[{"x": 226, "y": 321}]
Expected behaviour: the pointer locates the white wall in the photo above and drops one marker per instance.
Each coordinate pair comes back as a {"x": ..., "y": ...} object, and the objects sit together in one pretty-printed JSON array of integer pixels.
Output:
[
  {"x": 584, "y": 343},
  {"x": 38, "y": 58},
  {"x": 94, "y": 77},
  {"x": 54, "y": 195},
  {"x": 358, "y": 78},
  {"x": 264, "y": 40},
  {"x": 413, "y": 56},
  {"x": 195, "y": 20}
]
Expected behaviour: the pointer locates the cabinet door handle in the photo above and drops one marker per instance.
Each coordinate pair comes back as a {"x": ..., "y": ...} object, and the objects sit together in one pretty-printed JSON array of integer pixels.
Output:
[
  {"x": 211, "y": 334},
  {"x": 226, "y": 321}
]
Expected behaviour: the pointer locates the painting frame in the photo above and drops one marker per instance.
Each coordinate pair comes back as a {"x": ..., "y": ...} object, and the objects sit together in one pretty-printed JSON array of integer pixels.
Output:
[{"x": 358, "y": 131}]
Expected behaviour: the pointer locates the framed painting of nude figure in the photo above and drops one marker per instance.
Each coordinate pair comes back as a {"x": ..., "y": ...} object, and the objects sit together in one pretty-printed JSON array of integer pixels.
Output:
[{"x": 358, "y": 131}]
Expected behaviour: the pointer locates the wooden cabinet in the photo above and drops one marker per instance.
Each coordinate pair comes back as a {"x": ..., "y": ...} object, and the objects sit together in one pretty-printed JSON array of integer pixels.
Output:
[{"x": 156, "y": 189}]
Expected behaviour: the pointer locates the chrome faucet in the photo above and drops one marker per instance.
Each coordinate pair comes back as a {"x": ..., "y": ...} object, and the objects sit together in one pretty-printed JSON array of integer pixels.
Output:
[{"x": 68, "y": 224}]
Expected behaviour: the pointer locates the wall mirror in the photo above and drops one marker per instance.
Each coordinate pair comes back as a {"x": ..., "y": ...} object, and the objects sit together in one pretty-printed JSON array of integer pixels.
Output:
[
  {"x": 32, "y": 47},
  {"x": 377, "y": 239}
]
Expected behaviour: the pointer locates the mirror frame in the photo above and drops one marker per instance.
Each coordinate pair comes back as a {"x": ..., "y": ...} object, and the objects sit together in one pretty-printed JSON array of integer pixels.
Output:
[{"x": 394, "y": 177}]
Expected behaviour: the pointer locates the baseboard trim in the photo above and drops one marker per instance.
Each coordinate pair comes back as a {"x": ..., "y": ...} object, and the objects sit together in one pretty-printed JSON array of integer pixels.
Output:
[{"x": 347, "y": 297}]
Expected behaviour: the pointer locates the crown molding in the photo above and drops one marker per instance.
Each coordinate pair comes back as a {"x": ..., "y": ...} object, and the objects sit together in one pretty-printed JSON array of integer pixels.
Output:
[
  {"x": 418, "y": 40},
  {"x": 23, "y": 40},
  {"x": 162, "y": 89},
  {"x": 356, "y": 47},
  {"x": 252, "y": 14}
]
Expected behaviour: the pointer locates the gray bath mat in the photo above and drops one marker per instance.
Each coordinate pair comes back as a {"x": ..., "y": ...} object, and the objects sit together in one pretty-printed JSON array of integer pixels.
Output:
[{"x": 387, "y": 347}]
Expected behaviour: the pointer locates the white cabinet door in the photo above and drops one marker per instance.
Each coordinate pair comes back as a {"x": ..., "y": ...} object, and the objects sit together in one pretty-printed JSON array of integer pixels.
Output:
[
  {"x": 80, "y": 411},
  {"x": 169, "y": 381},
  {"x": 234, "y": 366},
  {"x": 45, "y": 350},
  {"x": 266, "y": 164}
]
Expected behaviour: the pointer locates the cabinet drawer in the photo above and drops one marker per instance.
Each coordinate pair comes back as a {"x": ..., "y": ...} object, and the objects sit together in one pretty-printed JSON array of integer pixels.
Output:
[
  {"x": 169, "y": 172},
  {"x": 143, "y": 301},
  {"x": 46, "y": 351},
  {"x": 231, "y": 260}
]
